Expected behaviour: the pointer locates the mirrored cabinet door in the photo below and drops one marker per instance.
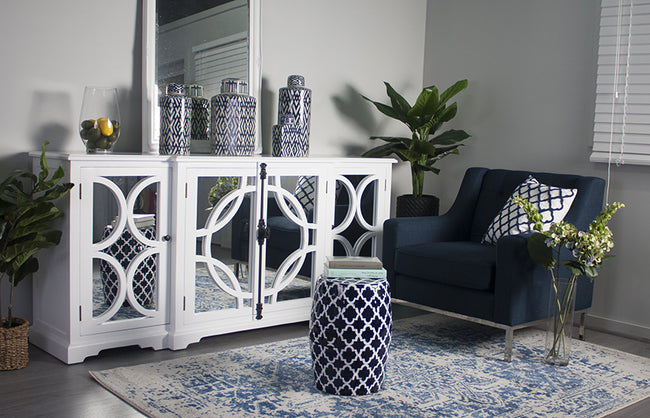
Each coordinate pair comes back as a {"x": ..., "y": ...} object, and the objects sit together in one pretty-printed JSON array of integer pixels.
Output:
[{"x": 123, "y": 266}]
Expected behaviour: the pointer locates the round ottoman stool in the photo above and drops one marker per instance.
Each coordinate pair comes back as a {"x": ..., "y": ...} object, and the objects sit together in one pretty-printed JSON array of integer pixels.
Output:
[{"x": 349, "y": 334}]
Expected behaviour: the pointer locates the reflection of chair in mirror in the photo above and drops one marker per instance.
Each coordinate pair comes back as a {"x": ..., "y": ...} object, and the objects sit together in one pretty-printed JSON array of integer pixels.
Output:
[{"x": 285, "y": 234}]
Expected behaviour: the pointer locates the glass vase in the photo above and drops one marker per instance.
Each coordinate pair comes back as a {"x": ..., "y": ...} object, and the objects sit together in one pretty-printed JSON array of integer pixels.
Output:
[
  {"x": 99, "y": 120},
  {"x": 560, "y": 321}
]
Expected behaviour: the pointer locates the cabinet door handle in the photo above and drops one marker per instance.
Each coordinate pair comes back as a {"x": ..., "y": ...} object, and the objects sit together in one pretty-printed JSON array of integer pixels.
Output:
[{"x": 167, "y": 238}]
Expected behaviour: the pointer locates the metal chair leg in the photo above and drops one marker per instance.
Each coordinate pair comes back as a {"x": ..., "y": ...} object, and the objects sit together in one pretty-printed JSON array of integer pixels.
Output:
[{"x": 507, "y": 353}]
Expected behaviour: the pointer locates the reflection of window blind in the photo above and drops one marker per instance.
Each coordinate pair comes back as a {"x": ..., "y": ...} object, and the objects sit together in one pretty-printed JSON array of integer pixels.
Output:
[
  {"x": 213, "y": 63},
  {"x": 623, "y": 118}
]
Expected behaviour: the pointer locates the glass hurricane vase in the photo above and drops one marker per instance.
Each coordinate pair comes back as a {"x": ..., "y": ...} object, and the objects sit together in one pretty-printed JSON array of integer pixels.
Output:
[
  {"x": 560, "y": 321},
  {"x": 99, "y": 120}
]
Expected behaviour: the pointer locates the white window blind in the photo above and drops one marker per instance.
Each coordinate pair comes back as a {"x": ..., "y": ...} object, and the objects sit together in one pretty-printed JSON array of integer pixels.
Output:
[
  {"x": 622, "y": 113},
  {"x": 224, "y": 58}
]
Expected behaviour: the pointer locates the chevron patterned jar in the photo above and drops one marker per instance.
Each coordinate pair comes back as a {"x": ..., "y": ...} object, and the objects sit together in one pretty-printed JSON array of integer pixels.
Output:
[
  {"x": 199, "y": 138},
  {"x": 232, "y": 123},
  {"x": 295, "y": 99},
  {"x": 288, "y": 140},
  {"x": 175, "y": 121}
]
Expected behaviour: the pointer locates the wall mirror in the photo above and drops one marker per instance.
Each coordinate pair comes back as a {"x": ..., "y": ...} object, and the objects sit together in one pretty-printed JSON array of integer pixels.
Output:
[{"x": 197, "y": 42}]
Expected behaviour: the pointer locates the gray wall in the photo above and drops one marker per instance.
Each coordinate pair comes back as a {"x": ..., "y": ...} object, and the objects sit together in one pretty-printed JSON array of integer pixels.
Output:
[{"x": 529, "y": 105}]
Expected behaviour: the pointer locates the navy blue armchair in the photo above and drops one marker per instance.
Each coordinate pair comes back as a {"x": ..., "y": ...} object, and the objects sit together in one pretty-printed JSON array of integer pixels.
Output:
[{"x": 440, "y": 263}]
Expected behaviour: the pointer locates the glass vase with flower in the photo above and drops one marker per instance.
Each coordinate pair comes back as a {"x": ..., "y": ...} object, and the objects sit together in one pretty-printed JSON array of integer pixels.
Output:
[{"x": 588, "y": 250}]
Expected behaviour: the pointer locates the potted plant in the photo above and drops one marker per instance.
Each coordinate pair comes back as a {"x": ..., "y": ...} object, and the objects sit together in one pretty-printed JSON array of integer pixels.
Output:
[
  {"x": 588, "y": 250},
  {"x": 27, "y": 213},
  {"x": 424, "y": 148}
]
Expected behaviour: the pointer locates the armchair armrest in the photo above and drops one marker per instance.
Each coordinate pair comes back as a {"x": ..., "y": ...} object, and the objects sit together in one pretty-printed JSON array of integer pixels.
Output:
[
  {"x": 521, "y": 288},
  {"x": 399, "y": 232}
]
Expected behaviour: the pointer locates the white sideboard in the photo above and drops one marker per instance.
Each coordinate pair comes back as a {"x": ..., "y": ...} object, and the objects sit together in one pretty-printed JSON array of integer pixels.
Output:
[{"x": 150, "y": 257}]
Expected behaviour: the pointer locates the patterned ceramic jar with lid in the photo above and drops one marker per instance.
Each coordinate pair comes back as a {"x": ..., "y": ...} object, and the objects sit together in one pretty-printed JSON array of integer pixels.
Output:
[
  {"x": 288, "y": 140},
  {"x": 232, "y": 123},
  {"x": 175, "y": 121},
  {"x": 295, "y": 99},
  {"x": 200, "y": 130}
]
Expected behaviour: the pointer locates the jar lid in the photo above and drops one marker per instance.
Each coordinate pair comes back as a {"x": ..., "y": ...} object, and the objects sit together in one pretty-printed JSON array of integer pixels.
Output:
[
  {"x": 295, "y": 80},
  {"x": 234, "y": 85},
  {"x": 175, "y": 88},
  {"x": 194, "y": 90},
  {"x": 286, "y": 119}
]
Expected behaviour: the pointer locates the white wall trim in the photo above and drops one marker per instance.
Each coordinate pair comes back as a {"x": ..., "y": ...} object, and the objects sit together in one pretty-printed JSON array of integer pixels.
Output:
[{"x": 622, "y": 328}]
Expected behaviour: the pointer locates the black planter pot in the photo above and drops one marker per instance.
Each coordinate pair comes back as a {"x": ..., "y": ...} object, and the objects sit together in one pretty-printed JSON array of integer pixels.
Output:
[{"x": 409, "y": 206}]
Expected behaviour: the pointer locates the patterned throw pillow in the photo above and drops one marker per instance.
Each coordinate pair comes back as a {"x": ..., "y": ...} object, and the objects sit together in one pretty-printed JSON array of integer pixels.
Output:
[
  {"x": 552, "y": 202},
  {"x": 305, "y": 191}
]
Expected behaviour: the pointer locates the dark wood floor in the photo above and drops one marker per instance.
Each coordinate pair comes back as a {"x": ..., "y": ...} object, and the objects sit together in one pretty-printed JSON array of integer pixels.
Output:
[{"x": 49, "y": 388}]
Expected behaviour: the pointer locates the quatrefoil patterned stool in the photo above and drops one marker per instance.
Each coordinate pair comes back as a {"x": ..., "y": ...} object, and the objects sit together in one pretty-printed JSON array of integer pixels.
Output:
[
  {"x": 350, "y": 334},
  {"x": 125, "y": 249}
]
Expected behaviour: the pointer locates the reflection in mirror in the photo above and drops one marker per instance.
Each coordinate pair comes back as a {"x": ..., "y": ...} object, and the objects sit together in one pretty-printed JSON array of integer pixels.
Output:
[
  {"x": 126, "y": 256},
  {"x": 198, "y": 42},
  {"x": 222, "y": 280}
]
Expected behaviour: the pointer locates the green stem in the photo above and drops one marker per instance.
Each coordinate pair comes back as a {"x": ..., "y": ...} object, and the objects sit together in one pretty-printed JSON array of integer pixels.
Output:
[{"x": 561, "y": 316}]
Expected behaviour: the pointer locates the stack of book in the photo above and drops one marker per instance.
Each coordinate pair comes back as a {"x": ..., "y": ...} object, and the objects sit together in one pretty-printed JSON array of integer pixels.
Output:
[{"x": 356, "y": 267}]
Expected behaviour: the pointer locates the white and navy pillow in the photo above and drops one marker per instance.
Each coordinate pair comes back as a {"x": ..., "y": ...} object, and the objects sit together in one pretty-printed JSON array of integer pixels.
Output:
[
  {"x": 305, "y": 191},
  {"x": 552, "y": 202}
]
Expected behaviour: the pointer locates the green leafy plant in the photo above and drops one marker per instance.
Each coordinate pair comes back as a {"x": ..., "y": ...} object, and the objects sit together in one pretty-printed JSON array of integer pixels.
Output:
[
  {"x": 27, "y": 213},
  {"x": 588, "y": 250},
  {"x": 423, "y": 149}
]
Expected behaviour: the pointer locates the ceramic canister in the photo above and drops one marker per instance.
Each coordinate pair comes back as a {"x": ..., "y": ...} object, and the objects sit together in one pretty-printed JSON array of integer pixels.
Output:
[
  {"x": 288, "y": 140},
  {"x": 232, "y": 123},
  {"x": 175, "y": 121},
  {"x": 200, "y": 114},
  {"x": 295, "y": 99}
]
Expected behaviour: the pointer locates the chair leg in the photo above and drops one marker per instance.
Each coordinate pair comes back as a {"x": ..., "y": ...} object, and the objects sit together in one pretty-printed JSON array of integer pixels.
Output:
[
  {"x": 581, "y": 327},
  {"x": 507, "y": 352}
]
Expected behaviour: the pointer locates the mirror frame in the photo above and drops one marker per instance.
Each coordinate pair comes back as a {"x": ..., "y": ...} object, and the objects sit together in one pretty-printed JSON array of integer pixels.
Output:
[{"x": 149, "y": 82}]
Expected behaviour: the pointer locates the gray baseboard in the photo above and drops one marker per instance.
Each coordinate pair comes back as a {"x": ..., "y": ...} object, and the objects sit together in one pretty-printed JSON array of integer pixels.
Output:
[{"x": 615, "y": 327}]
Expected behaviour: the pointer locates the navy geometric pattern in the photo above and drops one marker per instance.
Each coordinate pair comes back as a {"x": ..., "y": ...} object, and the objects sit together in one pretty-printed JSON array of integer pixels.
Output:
[
  {"x": 552, "y": 202},
  {"x": 305, "y": 191},
  {"x": 233, "y": 124},
  {"x": 175, "y": 124},
  {"x": 200, "y": 118},
  {"x": 289, "y": 142},
  {"x": 295, "y": 99},
  {"x": 124, "y": 250},
  {"x": 350, "y": 334}
]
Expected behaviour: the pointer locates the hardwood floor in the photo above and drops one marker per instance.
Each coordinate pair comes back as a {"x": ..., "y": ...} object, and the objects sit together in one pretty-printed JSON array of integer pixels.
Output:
[{"x": 49, "y": 388}]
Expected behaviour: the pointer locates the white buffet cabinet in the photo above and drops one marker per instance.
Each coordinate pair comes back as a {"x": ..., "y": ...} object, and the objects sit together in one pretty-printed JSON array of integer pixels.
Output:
[{"x": 162, "y": 251}]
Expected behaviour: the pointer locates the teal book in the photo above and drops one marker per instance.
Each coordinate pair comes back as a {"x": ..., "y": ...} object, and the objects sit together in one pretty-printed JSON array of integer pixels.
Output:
[{"x": 358, "y": 273}]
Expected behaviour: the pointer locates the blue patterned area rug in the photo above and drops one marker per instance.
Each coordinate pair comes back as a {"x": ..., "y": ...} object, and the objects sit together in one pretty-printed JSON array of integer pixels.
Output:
[{"x": 437, "y": 367}]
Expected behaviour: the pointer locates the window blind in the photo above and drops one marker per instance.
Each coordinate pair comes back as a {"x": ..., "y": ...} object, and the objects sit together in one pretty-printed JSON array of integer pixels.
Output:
[
  {"x": 225, "y": 58},
  {"x": 622, "y": 112}
]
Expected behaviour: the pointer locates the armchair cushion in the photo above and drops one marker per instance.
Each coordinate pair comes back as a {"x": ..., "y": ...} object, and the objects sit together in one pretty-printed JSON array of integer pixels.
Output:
[
  {"x": 552, "y": 202},
  {"x": 464, "y": 264}
]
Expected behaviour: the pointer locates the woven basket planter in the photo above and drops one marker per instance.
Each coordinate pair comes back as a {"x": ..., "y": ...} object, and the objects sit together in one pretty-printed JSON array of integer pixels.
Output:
[{"x": 14, "y": 345}]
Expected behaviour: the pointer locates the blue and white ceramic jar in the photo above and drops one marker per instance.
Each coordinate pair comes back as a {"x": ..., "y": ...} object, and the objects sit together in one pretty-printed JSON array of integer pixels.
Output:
[
  {"x": 199, "y": 138},
  {"x": 175, "y": 121},
  {"x": 288, "y": 140},
  {"x": 232, "y": 123},
  {"x": 295, "y": 99}
]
